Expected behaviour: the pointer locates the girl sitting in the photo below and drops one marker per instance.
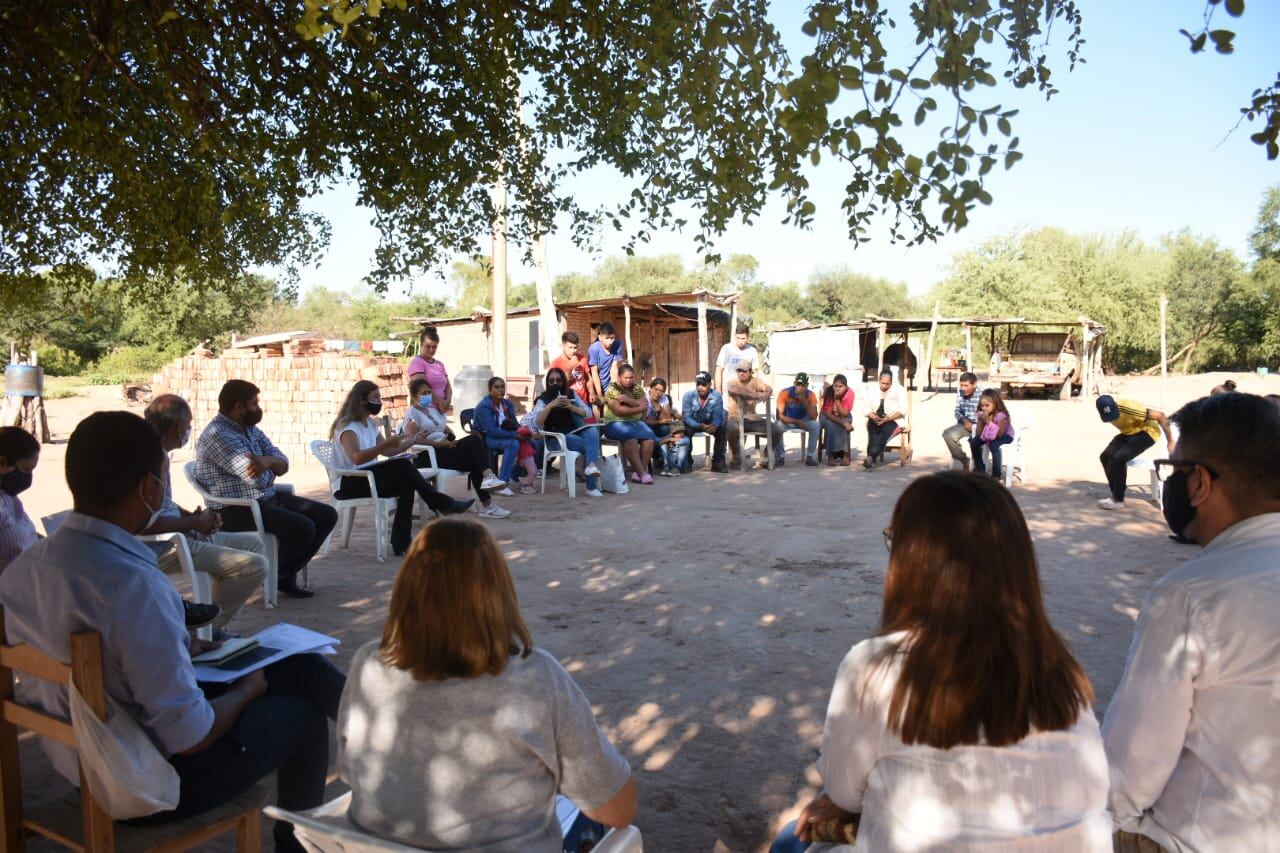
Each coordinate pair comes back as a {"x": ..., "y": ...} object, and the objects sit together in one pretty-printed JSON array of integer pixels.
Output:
[{"x": 993, "y": 431}]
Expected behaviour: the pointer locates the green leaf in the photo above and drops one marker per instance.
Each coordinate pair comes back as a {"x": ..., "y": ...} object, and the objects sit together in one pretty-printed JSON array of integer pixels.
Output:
[
  {"x": 168, "y": 16},
  {"x": 1235, "y": 8}
]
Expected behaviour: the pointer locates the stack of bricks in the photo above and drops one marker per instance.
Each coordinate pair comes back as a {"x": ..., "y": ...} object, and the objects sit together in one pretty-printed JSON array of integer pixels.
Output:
[{"x": 300, "y": 396}]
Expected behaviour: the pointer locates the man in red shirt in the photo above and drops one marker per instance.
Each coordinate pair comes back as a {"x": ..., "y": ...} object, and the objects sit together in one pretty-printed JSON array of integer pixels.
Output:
[{"x": 574, "y": 367}]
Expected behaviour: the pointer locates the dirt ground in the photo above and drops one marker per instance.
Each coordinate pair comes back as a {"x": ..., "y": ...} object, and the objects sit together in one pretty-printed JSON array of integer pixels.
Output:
[{"x": 705, "y": 616}]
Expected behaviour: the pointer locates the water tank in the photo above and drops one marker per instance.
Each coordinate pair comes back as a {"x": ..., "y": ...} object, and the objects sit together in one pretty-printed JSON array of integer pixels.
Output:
[
  {"x": 470, "y": 385},
  {"x": 23, "y": 380}
]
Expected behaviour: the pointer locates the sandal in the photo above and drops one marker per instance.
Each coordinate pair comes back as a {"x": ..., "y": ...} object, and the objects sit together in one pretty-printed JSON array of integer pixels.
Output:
[
  {"x": 528, "y": 490},
  {"x": 646, "y": 480},
  {"x": 635, "y": 478}
]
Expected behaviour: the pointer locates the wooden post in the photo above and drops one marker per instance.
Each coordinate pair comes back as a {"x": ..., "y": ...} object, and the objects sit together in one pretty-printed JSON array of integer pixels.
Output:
[
  {"x": 768, "y": 427},
  {"x": 882, "y": 333},
  {"x": 1164, "y": 351},
  {"x": 626, "y": 319},
  {"x": 928, "y": 352},
  {"x": 968, "y": 347},
  {"x": 548, "y": 323},
  {"x": 498, "y": 304},
  {"x": 742, "y": 432},
  {"x": 653, "y": 348},
  {"x": 733, "y": 319},
  {"x": 703, "y": 357}
]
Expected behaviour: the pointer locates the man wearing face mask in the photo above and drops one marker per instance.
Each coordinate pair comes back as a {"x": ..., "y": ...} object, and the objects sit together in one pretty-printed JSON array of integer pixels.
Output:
[
  {"x": 235, "y": 459},
  {"x": 235, "y": 561},
  {"x": 94, "y": 574},
  {"x": 19, "y": 455},
  {"x": 1191, "y": 731}
]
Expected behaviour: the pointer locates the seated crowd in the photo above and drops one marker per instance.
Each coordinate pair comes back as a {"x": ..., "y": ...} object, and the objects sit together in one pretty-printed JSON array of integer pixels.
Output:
[{"x": 965, "y": 723}]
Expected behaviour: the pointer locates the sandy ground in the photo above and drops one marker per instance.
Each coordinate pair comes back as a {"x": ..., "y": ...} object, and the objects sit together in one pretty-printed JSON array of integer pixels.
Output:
[{"x": 705, "y": 616}]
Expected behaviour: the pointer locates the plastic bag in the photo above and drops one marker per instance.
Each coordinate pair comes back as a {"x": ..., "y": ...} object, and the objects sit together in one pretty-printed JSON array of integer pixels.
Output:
[
  {"x": 125, "y": 772},
  {"x": 613, "y": 478}
]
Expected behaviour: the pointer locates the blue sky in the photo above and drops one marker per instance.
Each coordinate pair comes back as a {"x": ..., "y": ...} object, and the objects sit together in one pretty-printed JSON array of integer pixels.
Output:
[{"x": 1137, "y": 139}]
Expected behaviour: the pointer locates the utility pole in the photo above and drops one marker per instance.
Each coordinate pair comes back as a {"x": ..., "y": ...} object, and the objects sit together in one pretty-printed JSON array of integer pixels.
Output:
[{"x": 498, "y": 302}]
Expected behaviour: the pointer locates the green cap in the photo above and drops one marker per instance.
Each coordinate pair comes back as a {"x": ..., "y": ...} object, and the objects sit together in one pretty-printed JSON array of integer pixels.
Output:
[{"x": 802, "y": 378}]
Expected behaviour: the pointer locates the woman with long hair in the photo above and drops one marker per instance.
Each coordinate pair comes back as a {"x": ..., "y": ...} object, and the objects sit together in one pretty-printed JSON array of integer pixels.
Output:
[
  {"x": 561, "y": 409},
  {"x": 455, "y": 731},
  {"x": 458, "y": 454},
  {"x": 836, "y": 418},
  {"x": 358, "y": 443},
  {"x": 965, "y": 723}
]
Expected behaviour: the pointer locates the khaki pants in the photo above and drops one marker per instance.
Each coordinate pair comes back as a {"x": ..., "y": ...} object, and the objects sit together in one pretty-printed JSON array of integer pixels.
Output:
[
  {"x": 1132, "y": 842},
  {"x": 235, "y": 561},
  {"x": 957, "y": 439}
]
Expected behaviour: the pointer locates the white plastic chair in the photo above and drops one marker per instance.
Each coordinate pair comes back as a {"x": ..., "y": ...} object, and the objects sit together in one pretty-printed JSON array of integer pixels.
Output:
[
  {"x": 1014, "y": 454},
  {"x": 201, "y": 582},
  {"x": 435, "y": 474},
  {"x": 327, "y": 829},
  {"x": 568, "y": 462},
  {"x": 270, "y": 545},
  {"x": 1147, "y": 462},
  {"x": 383, "y": 508}
]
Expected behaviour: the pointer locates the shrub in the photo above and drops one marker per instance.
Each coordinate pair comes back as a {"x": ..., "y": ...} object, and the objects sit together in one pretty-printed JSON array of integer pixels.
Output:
[{"x": 131, "y": 364}]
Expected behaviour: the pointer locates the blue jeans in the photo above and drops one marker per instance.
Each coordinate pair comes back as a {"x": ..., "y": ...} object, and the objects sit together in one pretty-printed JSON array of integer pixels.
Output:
[
  {"x": 786, "y": 842},
  {"x": 677, "y": 455},
  {"x": 812, "y": 428},
  {"x": 510, "y": 450},
  {"x": 285, "y": 731},
  {"x": 629, "y": 431},
  {"x": 975, "y": 447},
  {"x": 587, "y": 443}
]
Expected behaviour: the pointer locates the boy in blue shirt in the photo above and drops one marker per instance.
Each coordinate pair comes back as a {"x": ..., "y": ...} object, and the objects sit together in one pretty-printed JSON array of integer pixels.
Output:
[{"x": 604, "y": 356}]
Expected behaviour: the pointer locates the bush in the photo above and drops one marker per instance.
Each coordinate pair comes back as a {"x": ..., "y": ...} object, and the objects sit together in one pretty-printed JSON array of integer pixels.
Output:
[
  {"x": 57, "y": 361},
  {"x": 131, "y": 364}
]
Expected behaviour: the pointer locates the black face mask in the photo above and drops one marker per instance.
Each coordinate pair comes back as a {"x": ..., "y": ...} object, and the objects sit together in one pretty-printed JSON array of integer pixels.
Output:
[
  {"x": 253, "y": 418},
  {"x": 373, "y": 408},
  {"x": 16, "y": 481},
  {"x": 1178, "y": 511}
]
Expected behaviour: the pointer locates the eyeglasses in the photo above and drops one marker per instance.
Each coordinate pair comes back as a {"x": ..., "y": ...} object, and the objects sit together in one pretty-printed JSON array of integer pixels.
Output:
[
  {"x": 744, "y": 369},
  {"x": 887, "y": 533},
  {"x": 1166, "y": 468}
]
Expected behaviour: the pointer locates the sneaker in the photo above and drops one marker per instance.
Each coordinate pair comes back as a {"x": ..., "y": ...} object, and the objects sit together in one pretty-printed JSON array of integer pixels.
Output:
[
  {"x": 199, "y": 615},
  {"x": 811, "y": 462},
  {"x": 505, "y": 492},
  {"x": 1108, "y": 503},
  {"x": 591, "y": 470},
  {"x": 594, "y": 493},
  {"x": 492, "y": 511},
  {"x": 666, "y": 472},
  {"x": 493, "y": 483},
  {"x": 673, "y": 472}
]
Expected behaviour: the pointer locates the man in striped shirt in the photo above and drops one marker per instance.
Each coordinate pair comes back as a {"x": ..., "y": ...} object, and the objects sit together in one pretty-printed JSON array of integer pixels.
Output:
[{"x": 1139, "y": 428}]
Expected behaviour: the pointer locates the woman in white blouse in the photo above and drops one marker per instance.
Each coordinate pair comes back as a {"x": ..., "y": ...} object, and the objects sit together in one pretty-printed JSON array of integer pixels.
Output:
[
  {"x": 965, "y": 724},
  {"x": 358, "y": 443},
  {"x": 886, "y": 410}
]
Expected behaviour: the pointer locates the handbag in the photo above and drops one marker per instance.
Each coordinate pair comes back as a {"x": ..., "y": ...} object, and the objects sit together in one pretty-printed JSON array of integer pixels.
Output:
[
  {"x": 125, "y": 772},
  {"x": 612, "y": 476}
]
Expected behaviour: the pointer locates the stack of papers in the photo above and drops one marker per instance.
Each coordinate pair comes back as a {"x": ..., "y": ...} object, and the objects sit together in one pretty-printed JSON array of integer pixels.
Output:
[{"x": 261, "y": 650}]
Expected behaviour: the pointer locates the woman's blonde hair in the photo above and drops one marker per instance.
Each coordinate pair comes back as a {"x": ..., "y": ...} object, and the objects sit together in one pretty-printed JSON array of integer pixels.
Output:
[
  {"x": 353, "y": 409},
  {"x": 454, "y": 612}
]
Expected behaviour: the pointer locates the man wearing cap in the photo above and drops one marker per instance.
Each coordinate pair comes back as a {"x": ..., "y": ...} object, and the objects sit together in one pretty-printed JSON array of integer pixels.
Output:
[
  {"x": 1139, "y": 428},
  {"x": 703, "y": 412},
  {"x": 798, "y": 409},
  {"x": 746, "y": 387}
]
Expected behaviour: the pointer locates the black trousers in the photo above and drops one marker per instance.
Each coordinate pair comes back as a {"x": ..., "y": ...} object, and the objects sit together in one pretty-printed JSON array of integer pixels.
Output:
[
  {"x": 399, "y": 479},
  {"x": 1116, "y": 457},
  {"x": 284, "y": 731},
  {"x": 468, "y": 454},
  {"x": 301, "y": 525},
  {"x": 878, "y": 436}
]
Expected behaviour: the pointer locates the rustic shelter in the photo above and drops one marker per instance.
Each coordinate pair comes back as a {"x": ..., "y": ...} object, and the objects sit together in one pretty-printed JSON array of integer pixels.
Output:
[{"x": 672, "y": 335}]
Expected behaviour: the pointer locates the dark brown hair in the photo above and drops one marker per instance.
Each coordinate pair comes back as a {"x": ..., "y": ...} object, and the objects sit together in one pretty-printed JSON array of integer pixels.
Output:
[
  {"x": 454, "y": 612},
  {"x": 982, "y": 662}
]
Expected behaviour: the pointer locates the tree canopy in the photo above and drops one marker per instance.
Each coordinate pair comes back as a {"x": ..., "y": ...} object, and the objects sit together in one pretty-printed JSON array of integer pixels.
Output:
[{"x": 184, "y": 139}]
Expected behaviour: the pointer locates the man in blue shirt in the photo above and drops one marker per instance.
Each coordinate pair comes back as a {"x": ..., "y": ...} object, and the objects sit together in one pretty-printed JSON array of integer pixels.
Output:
[
  {"x": 703, "y": 413},
  {"x": 235, "y": 459},
  {"x": 604, "y": 357},
  {"x": 94, "y": 574},
  {"x": 966, "y": 415}
]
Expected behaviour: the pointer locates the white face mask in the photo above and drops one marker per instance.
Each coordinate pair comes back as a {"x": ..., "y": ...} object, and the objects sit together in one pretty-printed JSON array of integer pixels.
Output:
[{"x": 155, "y": 513}]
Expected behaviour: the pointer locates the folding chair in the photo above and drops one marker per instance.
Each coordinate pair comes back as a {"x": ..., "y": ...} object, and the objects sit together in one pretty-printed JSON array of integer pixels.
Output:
[
  {"x": 270, "y": 545},
  {"x": 383, "y": 508},
  {"x": 76, "y": 820}
]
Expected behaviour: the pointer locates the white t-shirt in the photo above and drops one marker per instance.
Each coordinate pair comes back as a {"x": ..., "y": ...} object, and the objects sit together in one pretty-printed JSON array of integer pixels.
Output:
[
  {"x": 368, "y": 434},
  {"x": 730, "y": 356},
  {"x": 1046, "y": 792},
  {"x": 431, "y": 421}
]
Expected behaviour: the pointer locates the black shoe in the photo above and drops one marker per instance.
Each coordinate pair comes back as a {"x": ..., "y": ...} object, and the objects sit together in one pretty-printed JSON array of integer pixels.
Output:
[
  {"x": 199, "y": 615},
  {"x": 811, "y": 462},
  {"x": 458, "y": 507},
  {"x": 1182, "y": 540},
  {"x": 293, "y": 589},
  {"x": 719, "y": 467},
  {"x": 779, "y": 462}
]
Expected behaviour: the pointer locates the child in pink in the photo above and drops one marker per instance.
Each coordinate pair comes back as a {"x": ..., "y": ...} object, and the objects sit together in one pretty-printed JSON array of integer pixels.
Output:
[{"x": 526, "y": 458}]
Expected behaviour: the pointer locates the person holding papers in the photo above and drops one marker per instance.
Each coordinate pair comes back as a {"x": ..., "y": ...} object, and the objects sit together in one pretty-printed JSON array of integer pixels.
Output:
[
  {"x": 93, "y": 574},
  {"x": 358, "y": 442},
  {"x": 457, "y": 732}
]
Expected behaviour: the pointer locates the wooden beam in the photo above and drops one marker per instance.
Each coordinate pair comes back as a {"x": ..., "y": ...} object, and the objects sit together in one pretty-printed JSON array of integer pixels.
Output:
[
  {"x": 626, "y": 320},
  {"x": 928, "y": 353},
  {"x": 703, "y": 357}
]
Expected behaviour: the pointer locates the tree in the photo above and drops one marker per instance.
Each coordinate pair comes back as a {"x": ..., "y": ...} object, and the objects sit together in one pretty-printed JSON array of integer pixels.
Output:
[
  {"x": 1265, "y": 237},
  {"x": 839, "y": 294}
]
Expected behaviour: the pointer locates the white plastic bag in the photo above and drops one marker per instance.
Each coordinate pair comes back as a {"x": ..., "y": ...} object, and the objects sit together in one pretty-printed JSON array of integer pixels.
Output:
[
  {"x": 125, "y": 772},
  {"x": 613, "y": 477}
]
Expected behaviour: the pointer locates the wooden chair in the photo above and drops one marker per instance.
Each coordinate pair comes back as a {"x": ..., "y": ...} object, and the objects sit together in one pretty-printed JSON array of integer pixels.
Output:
[{"x": 76, "y": 821}]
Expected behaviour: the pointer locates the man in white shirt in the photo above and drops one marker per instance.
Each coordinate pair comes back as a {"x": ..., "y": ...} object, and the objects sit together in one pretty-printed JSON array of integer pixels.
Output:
[
  {"x": 1191, "y": 732},
  {"x": 731, "y": 355}
]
